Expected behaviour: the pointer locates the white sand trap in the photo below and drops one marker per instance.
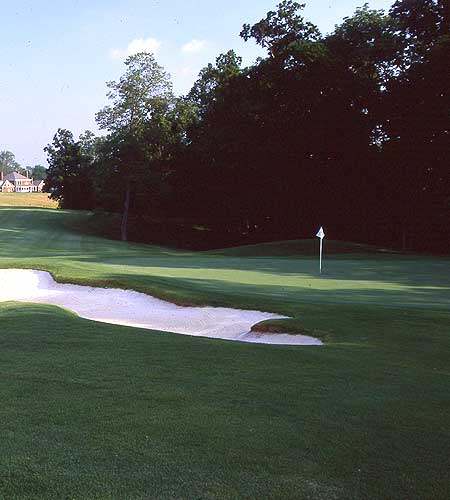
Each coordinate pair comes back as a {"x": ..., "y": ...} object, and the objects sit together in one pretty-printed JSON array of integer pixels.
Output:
[{"x": 126, "y": 307}]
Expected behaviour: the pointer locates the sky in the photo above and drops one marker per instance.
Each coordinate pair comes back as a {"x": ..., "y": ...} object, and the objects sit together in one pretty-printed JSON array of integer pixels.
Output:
[{"x": 56, "y": 57}]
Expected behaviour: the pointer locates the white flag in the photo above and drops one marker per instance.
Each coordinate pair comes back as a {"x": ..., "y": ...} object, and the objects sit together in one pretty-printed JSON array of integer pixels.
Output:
[{"x": 320, "y": 234}]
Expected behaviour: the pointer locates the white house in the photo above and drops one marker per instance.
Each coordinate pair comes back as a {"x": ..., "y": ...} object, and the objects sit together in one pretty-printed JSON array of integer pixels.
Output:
[{"x": 18, "y": 183}]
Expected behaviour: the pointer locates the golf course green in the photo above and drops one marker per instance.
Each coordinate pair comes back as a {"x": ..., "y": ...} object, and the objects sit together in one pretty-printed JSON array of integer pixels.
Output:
[{"x": 98, "y": 411}]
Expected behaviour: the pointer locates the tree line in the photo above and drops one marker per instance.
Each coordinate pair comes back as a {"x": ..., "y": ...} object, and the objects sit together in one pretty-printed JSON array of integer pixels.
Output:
[{"x": 349, "y": 130}]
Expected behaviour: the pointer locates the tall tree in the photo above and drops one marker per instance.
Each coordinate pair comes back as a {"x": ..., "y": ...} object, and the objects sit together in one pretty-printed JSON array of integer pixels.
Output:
[
  {"x": 141, "y": 96},
  {"x": 417, "y": 125},
  {"x": 8, "y": 162}
]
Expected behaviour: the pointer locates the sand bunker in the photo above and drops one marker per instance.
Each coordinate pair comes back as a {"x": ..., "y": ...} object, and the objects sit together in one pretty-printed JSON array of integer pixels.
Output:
[{"x": 126, "y": 307}]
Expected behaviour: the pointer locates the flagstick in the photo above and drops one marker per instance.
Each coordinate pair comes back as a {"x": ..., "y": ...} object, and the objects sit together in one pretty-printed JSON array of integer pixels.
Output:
[
  {"x": 320, "y": 260},
  {"x": 320, "y": 234}
]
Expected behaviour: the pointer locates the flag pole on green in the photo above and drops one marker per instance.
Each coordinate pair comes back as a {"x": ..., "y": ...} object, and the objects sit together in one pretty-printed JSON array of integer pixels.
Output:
[{"x": 320, "y": 234}]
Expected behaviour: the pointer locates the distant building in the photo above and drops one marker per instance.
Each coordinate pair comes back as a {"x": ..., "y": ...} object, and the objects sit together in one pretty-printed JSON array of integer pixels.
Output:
[
  {"x": 6, "y": 187},
  {"x": 18, "y": 183}
]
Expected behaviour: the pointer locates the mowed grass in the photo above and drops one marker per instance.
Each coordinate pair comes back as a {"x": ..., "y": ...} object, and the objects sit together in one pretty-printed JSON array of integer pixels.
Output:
[
  {"x": 54, "y": 240},
  {"x": 91, "y": 410},
  {"x": 26, "y": 200}
]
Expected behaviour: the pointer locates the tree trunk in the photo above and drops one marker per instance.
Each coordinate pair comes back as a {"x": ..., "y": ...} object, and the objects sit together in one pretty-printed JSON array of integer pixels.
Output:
[{"x": 126, "y": 209}]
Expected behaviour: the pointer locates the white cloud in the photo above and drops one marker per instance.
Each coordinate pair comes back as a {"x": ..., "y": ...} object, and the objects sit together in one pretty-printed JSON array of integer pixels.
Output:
[
  {"x": 135, "y": 46},
  {"x": 193, "y": 46}
]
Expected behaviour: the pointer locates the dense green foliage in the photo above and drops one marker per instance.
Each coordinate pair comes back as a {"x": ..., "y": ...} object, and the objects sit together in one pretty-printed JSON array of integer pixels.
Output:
[
  {"x": 8, "y": 162},
  {"x": 95, "y": 411},
  {"x": 350, "y": 130},
  {"x": 70, "y": 174},
  {"x": 38, "y": 172}
]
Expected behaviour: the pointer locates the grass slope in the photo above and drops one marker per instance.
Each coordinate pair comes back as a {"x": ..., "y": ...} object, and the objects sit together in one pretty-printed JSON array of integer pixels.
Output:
[{"x": 100, "y": 411}]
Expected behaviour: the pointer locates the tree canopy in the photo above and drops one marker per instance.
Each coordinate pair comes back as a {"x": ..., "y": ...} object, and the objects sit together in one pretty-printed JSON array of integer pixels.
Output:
[{"x": 350, "y": 130}]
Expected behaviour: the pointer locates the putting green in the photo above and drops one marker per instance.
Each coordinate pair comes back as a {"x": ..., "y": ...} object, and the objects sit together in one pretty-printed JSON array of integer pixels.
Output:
[{"x": 91, "y": 410}]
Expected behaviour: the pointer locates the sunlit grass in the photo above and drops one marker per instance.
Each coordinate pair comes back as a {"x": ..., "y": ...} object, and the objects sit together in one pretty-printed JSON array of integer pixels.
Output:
[{"x": 26, "y": 200}]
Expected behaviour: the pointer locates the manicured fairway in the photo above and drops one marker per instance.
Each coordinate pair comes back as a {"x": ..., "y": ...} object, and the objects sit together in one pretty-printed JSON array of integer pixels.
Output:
[{"x": 99, "y": 411}]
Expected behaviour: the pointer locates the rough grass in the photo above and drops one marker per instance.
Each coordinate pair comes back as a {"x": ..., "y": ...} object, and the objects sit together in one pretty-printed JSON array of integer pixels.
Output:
[
  {"x": 40, "y": 200},
  {"x": 100, "y": 411}
]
